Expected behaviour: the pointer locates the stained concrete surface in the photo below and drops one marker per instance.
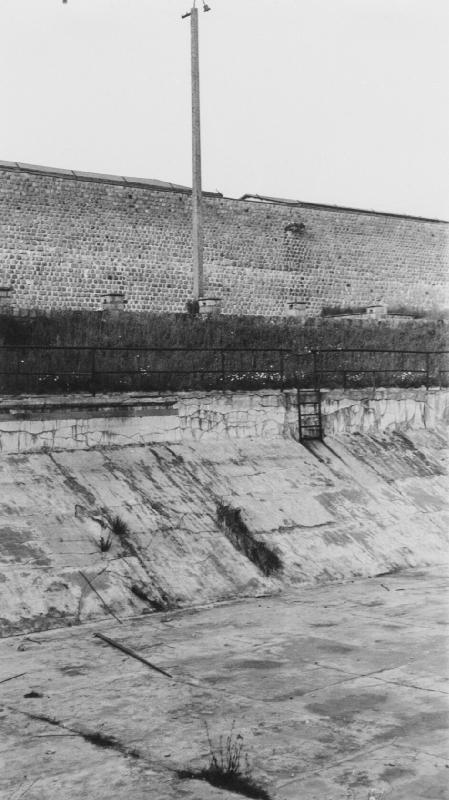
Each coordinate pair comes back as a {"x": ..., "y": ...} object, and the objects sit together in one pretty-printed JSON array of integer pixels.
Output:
[
  {"x": 351, "y": 506},
  {"x": 340, "y": 692}
]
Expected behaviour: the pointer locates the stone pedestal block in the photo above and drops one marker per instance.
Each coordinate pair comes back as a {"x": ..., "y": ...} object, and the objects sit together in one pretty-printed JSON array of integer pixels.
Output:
[
  {"x": 378, "y": 311},
  {"x": 209, "y": 305},
  {"x": 115, "y": 301},
  {"x": 5, "y": 298},
  {"x": 297, "y": 309}
]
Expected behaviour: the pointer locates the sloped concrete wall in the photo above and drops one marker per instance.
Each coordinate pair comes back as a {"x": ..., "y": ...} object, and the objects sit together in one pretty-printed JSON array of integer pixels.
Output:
[{"x": 353, "y": 505}]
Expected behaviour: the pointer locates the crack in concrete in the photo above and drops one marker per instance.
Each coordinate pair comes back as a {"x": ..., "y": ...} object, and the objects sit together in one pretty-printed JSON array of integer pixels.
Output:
[
  {"x": 96, "y": 738},
  {"x": 410, "y": 685},
  {"x": 331, "y": 765}
]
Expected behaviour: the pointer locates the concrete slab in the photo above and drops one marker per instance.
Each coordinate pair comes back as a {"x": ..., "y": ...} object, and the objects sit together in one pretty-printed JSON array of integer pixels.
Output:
[{"x": 339, "y": 691}]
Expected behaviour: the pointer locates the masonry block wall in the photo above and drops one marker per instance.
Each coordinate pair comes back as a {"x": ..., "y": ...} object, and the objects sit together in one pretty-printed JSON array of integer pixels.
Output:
[{"x": 67, "y": 239}]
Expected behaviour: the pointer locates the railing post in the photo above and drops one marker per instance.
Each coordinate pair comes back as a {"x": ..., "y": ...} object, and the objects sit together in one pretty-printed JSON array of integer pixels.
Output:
[
  {"x": 281, "y": 368},
  {"x": 223, "y": 370},
  {"x": 427, "y": 370},
  {"x": 315, "y": 369},
  {"x": 17, "y": 370},
  {"x": 93, "y": 371},
  {"x": 344, "y": 379}
]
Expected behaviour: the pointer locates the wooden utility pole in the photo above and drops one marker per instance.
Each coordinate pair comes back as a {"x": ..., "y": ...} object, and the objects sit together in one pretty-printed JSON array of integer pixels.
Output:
[{"x": 197, "y": 206}]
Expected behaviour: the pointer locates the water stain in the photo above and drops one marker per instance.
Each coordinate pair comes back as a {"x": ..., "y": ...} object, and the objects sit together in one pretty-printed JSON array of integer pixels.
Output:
[
  {"x": 335, "y": 647},
  {"x": 255, "y": 664},
  {"x": 352, "y": 779},
  {"x": 73, "y": 670},
  {"x": 73, "y": 484},
  {"x": 323, "y": 624},
  {"x": 392, "y": 773},
  {"x": 416, "y": 724},
  {"x": 19, "y": 546},
  {"x": 346, "y": 709}
]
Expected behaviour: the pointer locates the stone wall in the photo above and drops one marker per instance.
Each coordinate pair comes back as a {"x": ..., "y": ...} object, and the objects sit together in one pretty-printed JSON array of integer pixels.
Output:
[{"x": 67, "y": 239}]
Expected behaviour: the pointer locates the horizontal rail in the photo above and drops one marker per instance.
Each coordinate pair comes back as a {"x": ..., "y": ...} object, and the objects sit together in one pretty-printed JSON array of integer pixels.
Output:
[
  {"x": 378, "y": 350},
  {"x": 144, "y": 348},
  {"x": 161, "y": 348},
  {"x": 28, "y": 368}
]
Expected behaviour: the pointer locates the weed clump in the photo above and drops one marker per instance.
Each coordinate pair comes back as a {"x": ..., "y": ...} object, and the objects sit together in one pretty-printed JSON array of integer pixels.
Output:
[
  {"x": 100, "y": 739},
  {"x": 157, "y": 605},
  {"x": 228, "y": 768},
  {"x": 105, "y": 543},
  {"x": 238, "y": 533},
  {"x": 120, "y": 528}
]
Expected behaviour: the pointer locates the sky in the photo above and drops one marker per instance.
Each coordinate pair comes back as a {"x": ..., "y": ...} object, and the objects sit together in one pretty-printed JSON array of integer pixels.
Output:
[{"x": 341, "y": 102}]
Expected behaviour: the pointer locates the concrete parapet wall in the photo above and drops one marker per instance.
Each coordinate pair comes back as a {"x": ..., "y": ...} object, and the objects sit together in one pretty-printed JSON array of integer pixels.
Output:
[
  {"x": 76, "y": 423},
  {"x": 267, "y": 414},
  {"x": 368, "y": 411},
  {"x": 237, "y": 415},
  {"x": 33, "y": 426}
]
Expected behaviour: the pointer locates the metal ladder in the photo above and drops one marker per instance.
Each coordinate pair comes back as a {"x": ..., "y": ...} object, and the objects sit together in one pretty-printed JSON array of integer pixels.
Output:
[{"x": 309, "y": 414}]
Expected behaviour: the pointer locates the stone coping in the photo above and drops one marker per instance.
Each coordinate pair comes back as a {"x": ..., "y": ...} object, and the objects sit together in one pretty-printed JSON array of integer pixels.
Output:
[
  {"x": 167, "y": 186},
  {"x": 96, "y": 177},
  {"x": 118, "y": 399},
  {"x": 40, "y": 403}
]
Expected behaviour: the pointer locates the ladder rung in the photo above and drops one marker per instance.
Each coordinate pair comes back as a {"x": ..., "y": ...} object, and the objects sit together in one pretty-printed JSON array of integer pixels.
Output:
[{"x": 309, "y": 413}]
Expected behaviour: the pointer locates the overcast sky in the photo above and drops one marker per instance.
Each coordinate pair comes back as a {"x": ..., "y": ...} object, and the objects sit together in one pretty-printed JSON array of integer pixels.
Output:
[{"x": 333, "y": 101}]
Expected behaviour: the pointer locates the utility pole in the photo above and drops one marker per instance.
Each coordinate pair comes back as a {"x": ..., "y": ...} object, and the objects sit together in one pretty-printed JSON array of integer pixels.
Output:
[{"x": 197, "y": 205}]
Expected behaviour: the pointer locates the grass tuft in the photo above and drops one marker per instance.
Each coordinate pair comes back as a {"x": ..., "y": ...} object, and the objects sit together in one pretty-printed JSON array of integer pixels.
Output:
[
  {"x": 238, "y": 533},
  {"x": 156, "y": 604},
  {"x": 100, "y": 739},
  {"x": 228, "y": 768},
  {"x": 105, "y": 543},
  {"x": 120, "y": 528}
]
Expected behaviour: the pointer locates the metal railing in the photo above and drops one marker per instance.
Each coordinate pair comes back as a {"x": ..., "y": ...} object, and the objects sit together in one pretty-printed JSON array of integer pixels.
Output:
[
  {"x": 42, "y": 369},
  {"x": 38, "y": 369},
  {"x": 353, "y": 368}
]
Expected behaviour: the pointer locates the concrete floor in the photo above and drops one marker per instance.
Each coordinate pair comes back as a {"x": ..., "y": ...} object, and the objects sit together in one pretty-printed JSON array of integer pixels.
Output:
[{"x": 340, "y": 692}]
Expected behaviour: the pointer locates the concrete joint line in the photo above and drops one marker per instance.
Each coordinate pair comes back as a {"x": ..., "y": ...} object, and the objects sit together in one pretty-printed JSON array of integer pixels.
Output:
[
  {"x": 333, "y": 764},
  {"x": 410, "y": 685}
]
